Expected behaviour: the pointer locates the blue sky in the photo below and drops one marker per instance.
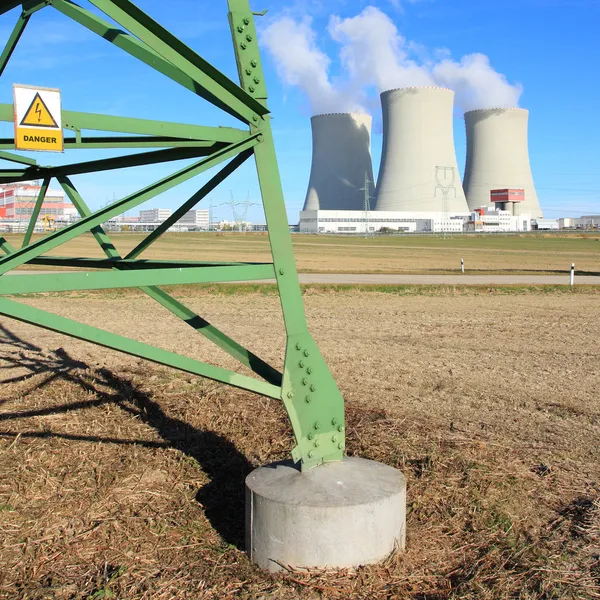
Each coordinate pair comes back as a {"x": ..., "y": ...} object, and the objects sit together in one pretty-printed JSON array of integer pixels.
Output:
[{"x": 550, "y": 47}]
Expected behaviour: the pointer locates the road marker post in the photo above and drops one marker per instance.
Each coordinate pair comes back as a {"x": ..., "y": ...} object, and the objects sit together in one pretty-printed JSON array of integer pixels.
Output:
[{"x": 572, "y": 274}]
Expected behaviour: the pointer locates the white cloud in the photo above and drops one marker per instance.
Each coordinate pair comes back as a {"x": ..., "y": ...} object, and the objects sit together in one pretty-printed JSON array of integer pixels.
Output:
[{"x": 374, "y": 54}]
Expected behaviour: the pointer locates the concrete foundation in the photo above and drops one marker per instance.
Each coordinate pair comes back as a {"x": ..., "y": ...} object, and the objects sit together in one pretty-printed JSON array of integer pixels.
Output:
[{"x": 342, "y": 514}]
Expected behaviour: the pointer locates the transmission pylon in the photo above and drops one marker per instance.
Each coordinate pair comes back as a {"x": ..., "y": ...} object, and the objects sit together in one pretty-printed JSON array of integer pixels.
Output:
[
  {"x": 445, "y": 178},
  {"x": 305, "y": 385},
  {"x": 367, "y": 202},
  {"x": 239, "y": 215}
]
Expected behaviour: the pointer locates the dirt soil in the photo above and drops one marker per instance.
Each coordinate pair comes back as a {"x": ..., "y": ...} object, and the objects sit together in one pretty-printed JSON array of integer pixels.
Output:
[{"x": 123, "y": 479}]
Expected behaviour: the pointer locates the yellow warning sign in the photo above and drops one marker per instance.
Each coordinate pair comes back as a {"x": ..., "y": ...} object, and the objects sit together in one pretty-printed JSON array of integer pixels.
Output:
[
  {"x": 38, "y": 114},
  {"x": 38, "y": 119}
]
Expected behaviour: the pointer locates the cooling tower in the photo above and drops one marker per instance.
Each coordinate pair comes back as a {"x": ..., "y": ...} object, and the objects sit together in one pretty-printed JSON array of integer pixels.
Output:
[
  {"x": 419, "y": 171},
  {"x": 341, "y": 161},
  {"x": 498, "y": 157}
]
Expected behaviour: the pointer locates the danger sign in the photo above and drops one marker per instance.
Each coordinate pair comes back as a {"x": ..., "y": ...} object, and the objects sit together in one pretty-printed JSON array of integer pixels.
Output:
[{"x": 38, "y": 119}]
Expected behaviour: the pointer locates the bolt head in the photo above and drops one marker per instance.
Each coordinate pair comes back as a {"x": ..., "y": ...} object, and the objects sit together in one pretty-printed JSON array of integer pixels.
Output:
[
  {"x": 301, "y": 364},
  {"x": 313, "y": 388},
  {"x": 309, "y": 370},
  {"x": 257, "y": 80},
  {"x": 246, "y": 21},
  {"x": 341, "y": 446},
  {"x": 290, "y": 395},
  {"x": 317, "y": 425},
  {"x": 298, "y": 346},
  {"x": 334, "y": 421},
  {"x": 340, "y": 428},
  {"x": 311, "y": 436},
  {"x": 248, "y": 71},
  {"x": 308, "y": 399},
  {"x": 240, "y": 28},
  {"x": 317, "y": 443},
  {"x": 281, "y": 271},
  {"x": 254, "y": 118},
  {"x": 311, "y": 454},
  {"x": 306, "y": 353},
  {"x": 243, "y": 45},
  {"x": 249, "y": 37},
  {"x": 254, "y": 63},
  {"x": 251, "y": 89},
  {"x": 334, "y": 438}
]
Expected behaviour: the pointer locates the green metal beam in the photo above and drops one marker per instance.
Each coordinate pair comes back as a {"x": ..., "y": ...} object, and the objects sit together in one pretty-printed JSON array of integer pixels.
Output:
[
  {"x": 86, "y": 224},
  {"x": 10, "y": 175},
  {"x": 23, "y": 160},
  {"x": 201, "y": 325},
  {"x": 132, "y": 160},
  {"x": 311, "y": 397},
  {"x": 32, "y": 6},
  {"x": 189, "y": 205},
  {"x": 227, "y": 344},
  {"x": 6, "y": 247},
  {"x": 13, "y": 40},
  {"x": 117, "y": 142},
  {"x": 35, "y": 213},
  {"x": 203, "y": 83},
  {"x": 98, "y": 233},
  {"x": 218, "y": 89},
  {"x": 7, "y": 5},
  {"x": 111, "y": 263},
  {"x": 67, "y": 282},
  {"x": 78, "y": 121},
  {"x": 38, "y": 317}
]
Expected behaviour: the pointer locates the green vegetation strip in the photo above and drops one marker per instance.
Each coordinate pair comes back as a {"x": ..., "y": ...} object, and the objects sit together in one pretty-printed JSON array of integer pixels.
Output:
[{"x": 268, "y": 289}]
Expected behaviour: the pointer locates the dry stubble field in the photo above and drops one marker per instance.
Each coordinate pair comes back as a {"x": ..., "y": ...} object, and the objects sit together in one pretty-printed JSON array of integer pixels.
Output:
[
  {"x": 531, "y": 253},
  {"x": 122, "y": 479}
]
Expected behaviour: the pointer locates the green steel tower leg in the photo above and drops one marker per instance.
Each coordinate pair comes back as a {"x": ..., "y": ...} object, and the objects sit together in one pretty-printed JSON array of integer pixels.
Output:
[{"x": 311, "y": 397}]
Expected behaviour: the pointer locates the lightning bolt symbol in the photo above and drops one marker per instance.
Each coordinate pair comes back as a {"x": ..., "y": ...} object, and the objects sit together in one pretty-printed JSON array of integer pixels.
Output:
[{"x": 38, "y": 111}]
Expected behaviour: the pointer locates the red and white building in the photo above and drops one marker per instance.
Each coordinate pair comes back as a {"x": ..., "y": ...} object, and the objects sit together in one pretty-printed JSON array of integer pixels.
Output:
[{"x": 17, "y": 201}]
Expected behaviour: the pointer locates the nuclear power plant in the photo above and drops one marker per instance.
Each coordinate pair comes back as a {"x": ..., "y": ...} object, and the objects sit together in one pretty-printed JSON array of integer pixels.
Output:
[
  {"x": 341, "y": 162},
  {"x": 498, "y": 157},
  {"x": 418, "y": 185},
  {"x": 418, "y": 170}
]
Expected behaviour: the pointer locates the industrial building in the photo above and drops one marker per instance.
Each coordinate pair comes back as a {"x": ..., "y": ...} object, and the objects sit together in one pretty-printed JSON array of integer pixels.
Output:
[
  {"x": 545, "y": 225},
  {"x": 498, "y": 157},
  {"x": 341, "y": 162},
  {"x": 196, "y": 219},
  {"x": 419, "y": 171},
  {"x": 17, "y": 201},
  {"x": 495, "y": 220},
  {"x": 587, "y": 222},
  {"x": 353, "y": 222},
  {"x": 155, "y": 215}
]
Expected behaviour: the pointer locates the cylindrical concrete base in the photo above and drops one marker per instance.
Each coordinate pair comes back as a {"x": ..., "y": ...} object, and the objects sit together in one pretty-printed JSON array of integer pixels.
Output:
[{"x": 341, "y": 514}]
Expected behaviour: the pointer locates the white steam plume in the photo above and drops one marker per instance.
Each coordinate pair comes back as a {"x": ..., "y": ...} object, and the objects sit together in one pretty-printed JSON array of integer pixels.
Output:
[
  {"x": 302, "y": 64},
  {"x": 374, "y": 54},
  {"x": 476, "y": 83}
]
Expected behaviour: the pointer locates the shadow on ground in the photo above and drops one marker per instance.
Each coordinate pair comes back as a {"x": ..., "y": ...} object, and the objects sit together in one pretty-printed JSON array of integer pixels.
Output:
[{"x": 222, "y": 499}]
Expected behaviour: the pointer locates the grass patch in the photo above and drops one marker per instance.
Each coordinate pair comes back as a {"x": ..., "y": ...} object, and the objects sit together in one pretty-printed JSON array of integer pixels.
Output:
[{"x": 268, "y": 289}]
